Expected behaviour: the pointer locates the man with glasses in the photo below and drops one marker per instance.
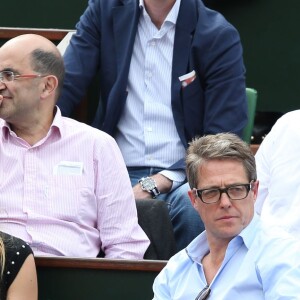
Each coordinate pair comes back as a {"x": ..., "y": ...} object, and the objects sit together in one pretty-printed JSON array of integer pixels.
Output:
[
  {"x": 64, "y": 187},
  {"x": 237, "y": 256}
]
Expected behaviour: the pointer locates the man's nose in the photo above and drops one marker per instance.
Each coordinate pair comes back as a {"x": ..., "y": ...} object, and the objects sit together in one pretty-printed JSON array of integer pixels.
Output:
[
  {"x": 225, "y": 200},
  {"x": 2, "y": 85}
]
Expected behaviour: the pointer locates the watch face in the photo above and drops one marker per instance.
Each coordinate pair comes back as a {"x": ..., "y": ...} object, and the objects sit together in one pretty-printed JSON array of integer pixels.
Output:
[{"x": 148, "y": 184}]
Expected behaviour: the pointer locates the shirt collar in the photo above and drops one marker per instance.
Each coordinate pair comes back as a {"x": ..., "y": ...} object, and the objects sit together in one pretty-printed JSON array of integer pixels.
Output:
[
  {"x": 57, "y": 121},
  {"x": 56, "y": 129},
  {"x": 249, "y": 233},
  {"x": 4, "y": 128},
  {"x": 56, "y": 126},
  {"x": 172, "y": 15},
  {"x": 198, "y": 248}
]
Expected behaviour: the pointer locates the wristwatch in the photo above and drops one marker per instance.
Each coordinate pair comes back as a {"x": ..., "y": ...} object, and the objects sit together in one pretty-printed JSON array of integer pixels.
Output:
[{"x": 148, "y": 184}]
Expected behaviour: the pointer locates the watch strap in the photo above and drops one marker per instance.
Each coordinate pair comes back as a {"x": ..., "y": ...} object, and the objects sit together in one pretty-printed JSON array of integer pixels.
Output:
[
  {"x": 154, "y": 192},
  {"x": 144, "y": 181}
]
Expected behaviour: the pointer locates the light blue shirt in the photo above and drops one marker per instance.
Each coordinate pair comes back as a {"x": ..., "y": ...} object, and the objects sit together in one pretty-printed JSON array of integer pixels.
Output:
[{"x": 260, "y": 263}]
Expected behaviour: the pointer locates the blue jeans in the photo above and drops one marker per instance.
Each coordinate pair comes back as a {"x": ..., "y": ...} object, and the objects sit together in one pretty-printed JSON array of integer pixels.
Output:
[{"x": 186, "y": 221}]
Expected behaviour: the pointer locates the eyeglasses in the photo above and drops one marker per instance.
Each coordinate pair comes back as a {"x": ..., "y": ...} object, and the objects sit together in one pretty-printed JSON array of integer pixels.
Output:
[
  {"x": 234, "y": 192},
  {"x": 8, "y": 76},
  {"x": 204, "y": 294}
]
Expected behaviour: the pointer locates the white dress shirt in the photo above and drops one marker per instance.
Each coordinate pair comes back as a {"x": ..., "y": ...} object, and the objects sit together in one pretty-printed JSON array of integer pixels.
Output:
[
  {"x": 69, "y": 194},
  {"x": 147, "y": 134},
  {"x": 278, "y": 171}
]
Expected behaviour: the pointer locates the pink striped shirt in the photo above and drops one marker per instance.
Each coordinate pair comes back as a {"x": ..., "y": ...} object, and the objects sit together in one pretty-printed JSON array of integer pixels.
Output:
[{"x": 69, "y": 194}]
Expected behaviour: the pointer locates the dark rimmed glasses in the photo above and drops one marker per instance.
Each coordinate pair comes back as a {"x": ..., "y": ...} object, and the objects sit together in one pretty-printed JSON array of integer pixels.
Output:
[
  {"x": 234, "y": 192},
  {"x": 204, "y": 294},
  {"x": 9, "y": 76}
]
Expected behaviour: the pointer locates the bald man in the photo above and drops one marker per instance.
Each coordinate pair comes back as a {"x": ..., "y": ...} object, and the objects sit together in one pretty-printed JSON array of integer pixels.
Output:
[{"x": 56, "y": 174}]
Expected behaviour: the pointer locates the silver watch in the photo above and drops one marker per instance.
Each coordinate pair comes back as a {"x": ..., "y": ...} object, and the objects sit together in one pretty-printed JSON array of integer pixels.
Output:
[{"x": 148, "y": 184}]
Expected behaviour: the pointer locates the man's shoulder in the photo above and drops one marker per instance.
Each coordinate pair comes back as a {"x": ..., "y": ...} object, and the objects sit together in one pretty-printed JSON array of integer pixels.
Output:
[
  {"x": 192, "y": 254},
  {"x": 72, "y": 126},
  {"x": 212, "y": 27},
  {"x": 178, "y": 263},
  {"x": 292, "y": 117},
  {"x": 212, "y": 18},
  {"x": 290, "y": 121},
  {"x": 272, "y": 238}
]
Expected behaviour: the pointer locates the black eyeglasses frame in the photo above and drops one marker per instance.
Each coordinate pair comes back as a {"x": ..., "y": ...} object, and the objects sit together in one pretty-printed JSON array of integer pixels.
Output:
[{"x": 249, "y": 187}]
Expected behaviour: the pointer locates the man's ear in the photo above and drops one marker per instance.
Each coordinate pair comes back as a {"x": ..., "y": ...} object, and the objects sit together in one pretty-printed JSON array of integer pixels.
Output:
[
  {"x": 50, "y": 86},
  {"x": 193, "y": 197},
  {"x": 255, "y": 189}
]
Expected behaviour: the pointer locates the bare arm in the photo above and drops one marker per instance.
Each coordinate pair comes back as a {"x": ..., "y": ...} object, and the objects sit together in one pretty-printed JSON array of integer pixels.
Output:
[{"x": 24, "y": 287}]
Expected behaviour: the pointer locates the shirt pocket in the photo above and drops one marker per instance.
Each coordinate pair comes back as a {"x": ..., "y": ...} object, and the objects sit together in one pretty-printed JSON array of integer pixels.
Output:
[
  {"x": 192, "y": 90},
  {"x": 69, "y": 197}
]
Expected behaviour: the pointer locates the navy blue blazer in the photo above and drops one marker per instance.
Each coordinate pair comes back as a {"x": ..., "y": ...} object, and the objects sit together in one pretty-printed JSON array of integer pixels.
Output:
[{"x": 204, "y": 42}]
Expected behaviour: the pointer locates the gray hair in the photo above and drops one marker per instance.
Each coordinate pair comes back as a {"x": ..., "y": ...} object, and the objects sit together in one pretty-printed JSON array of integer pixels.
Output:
[
  {"x": 49, "y": 63},
  {"x": 219, "y": 146}
]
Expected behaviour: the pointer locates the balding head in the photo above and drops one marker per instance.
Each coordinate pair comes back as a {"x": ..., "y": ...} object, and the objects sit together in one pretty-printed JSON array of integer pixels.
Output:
[
  {"x": 42, "y": 55},
  {"x": 29, "y": 42}
]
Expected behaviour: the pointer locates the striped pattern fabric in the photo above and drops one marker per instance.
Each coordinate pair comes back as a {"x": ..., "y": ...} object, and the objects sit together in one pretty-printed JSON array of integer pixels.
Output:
[
  {"x": 147, "y": 135},
  {"x": 69, "y": 194}
]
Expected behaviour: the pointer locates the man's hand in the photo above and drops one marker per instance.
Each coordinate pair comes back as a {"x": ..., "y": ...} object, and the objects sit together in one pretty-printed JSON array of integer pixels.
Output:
[
  {"x": 1, "y": 99},
  {"x": 163, "y": 183}
]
